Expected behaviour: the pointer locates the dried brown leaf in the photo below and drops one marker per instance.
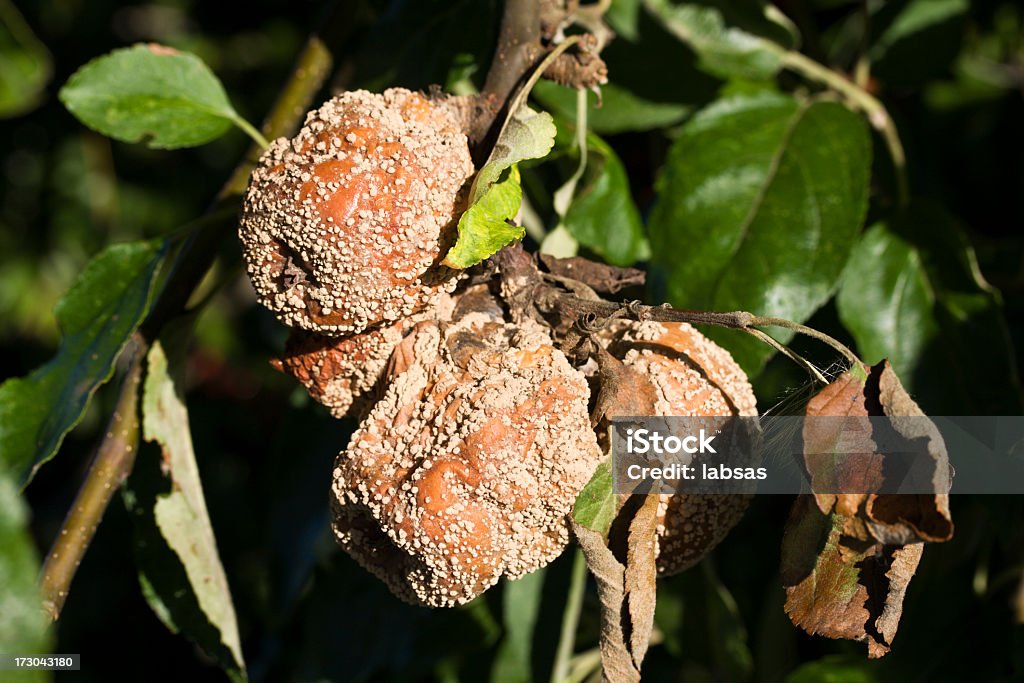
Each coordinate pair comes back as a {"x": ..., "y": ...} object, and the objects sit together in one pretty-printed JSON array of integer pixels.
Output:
[
  {"x": 858, "y": 467},
  {"x": 847, "y": 558},
  {"x": 625, "y": 392},
  {"x": 641, "y": 573},
  {"x": 840, "y": 594},
  {"x": 895, "y": 519},
  {"x": 625, "y": 585},
  {"x": 600, "y": 277},
  {"x": 610, "y": 576}
]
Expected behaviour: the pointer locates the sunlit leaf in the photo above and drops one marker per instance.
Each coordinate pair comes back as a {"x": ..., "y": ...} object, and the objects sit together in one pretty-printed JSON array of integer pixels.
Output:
[
  {"x": 487, "y": 225},
  {"x": 200, "y": 606},
  {"x": 912, "y": 292},
  {"x": 150, "y": 93},
  {"x": 759, "y": 203}
]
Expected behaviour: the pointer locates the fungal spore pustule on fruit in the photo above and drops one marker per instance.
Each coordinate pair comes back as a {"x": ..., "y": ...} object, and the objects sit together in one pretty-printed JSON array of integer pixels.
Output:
[
  {"x": 691, "y": 377},
  {"x": 345, "y": 225},
  {"x": 468, "y": 466}
]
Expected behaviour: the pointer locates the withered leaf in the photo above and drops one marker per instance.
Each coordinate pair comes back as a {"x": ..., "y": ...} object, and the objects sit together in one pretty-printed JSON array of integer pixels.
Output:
[
  {"x": 857, "y": 596},
  {"x": 625, "y": 586},
  {"x": 610, "y": 575},
  {"x": 625, "y": 392},
  {"x": 839, "y": 453},
  {"x": 850, "y": 550},
  {"x": 600, "y": 277},
  {"x": 641, "y": 574},
  {"x": 901, "y": 518},
  {"x": 843, "y": 455}
]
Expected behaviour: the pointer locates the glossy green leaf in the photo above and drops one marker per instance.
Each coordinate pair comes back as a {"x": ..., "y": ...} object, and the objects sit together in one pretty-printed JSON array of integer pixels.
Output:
[
  {"x": 25, "y": 63},
  {"x": 602, "y": 215},
  {"x": 23, "y": 624},
  {"x": 595, "y": 504},
  {"x": 96, "y": 318},
  {"x": 734, "y": 39},
  {"x": 486, "y": 226},
  {"x": 912, "y": 293},
  {"x": 180, "y": 517},
  {"x": 168, "y": 98},
  {"x": 759, "y": 203}
]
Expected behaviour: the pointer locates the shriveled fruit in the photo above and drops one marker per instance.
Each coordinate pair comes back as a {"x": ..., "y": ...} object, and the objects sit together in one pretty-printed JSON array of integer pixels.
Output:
[
  {"x": 466, "y": 468},
  {"x": 344, "y": 226},
  {"x": 339, "y": 371},
  {"x": 692, "y": 377},
  {"x": 344, "y": 373}
]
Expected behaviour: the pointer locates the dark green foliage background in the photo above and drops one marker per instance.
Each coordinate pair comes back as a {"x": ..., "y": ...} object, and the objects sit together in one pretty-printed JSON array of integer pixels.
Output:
[{"x": 306, "y": 611}]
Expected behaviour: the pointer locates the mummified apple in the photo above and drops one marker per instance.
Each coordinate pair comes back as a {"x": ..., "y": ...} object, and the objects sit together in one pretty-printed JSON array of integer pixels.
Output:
[
  {"x": 691, "y": 377},
  {"x": 345, "y": 225},
  {"x": 467, "y": 467}
]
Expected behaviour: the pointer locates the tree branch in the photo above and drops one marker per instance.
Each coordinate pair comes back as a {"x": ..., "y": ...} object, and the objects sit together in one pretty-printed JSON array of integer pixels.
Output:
[
  {"x": 518, "y": 49},
  {"x": 109, "y": 468}
]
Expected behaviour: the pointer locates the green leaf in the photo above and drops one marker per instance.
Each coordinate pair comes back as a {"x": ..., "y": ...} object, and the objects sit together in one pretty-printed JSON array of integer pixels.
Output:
[
  {"x": 23, "y": 625},
  {"x": 621, "y": 110},
  {"x": 760, "y": 201},
  {"x": 96, "y": 318},
  {"x": 522, "y": 601},
  {"x": 914, "y": 17},
  {"x": 602, "y": 215},
  {"x": 916, "y": 40},
  {"x": 526, "y": 135},
  {"x": 170, "y": 99},
  {"x": 196, "y": 601},
  {"x": 912, "y": 293},
  {"x": 732, "y": 39},
  {"x": 834, "y": 669},
  {"x": 595, "y": 504},
  {"x": 494, "y": 199},
  {"x": 485, "y": 227},
  {"x": 25, "y": 63},
  {"x": 623, "y": 17}
]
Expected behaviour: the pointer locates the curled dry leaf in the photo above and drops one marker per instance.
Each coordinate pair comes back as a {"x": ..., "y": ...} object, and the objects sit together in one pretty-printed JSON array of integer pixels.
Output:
[
  {"x": 848, "y": 557},
  {"x": 600, "y": 277},
  {"x": 625, "y": 586},
  {"x": 835, "y": 593},
  {"x": 843, "y": 455},
  {"x": 647, "y": 369}
]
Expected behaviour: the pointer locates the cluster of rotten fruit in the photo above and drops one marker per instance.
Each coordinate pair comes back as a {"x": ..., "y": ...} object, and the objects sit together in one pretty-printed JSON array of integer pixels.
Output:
[{"x": 479, "y": 409}]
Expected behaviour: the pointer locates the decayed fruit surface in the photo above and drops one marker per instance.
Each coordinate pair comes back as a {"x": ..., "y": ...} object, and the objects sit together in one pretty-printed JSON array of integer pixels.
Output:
[
  {"x": 344, "y": 226},
  {"x": 344, "y": 373},
  {"x": 692, "y": 377},
  {"x": 467, "y": 467}
]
